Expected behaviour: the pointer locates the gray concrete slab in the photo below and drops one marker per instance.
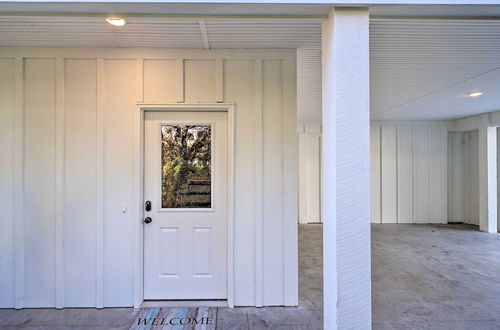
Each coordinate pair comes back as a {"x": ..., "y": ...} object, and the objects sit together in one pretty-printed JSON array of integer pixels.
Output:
[
  {"x": 423, "y": 277},
  {"x": 435, "y": 277}
]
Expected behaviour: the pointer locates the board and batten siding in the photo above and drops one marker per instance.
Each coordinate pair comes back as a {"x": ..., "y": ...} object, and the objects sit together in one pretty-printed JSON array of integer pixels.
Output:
[
  {"x": 68, "y": 182},
  {"x": 409, "y": 172},
  {"x": 309, "y": 135},
  {"x": 463, "y": 177}
]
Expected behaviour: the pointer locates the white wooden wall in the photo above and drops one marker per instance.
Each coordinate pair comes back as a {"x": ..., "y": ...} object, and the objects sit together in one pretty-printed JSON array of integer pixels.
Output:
[
  {"x": 409, "y": 172},
  {"x": 498, "y": 177},
  {"x": 309, "y": 135},
  {"x": 67, "y": 119},
  {"x": 463, "y": 177}
]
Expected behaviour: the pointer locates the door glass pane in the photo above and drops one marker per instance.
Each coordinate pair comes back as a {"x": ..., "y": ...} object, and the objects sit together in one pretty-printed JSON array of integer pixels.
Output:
[{"x": 186, "y": 158}]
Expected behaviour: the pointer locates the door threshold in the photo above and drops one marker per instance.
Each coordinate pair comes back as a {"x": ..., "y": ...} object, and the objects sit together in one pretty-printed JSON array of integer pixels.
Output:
[{"x": 184, "y": 303}]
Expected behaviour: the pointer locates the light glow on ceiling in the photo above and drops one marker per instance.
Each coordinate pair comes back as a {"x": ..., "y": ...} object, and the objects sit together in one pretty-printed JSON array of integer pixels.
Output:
[
  {"x": 474, "y": 94},
  {"x": 116, "y": 21}
]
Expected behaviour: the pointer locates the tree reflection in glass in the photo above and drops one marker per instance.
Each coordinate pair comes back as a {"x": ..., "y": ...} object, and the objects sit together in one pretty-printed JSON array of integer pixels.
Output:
[{"x": 186, "y": 166}]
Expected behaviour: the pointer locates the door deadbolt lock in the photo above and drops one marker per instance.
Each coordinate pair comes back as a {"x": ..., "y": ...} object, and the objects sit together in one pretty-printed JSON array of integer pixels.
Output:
[
  {"x": 147, "y": 206},
  {"x": 148, "y": 220}
]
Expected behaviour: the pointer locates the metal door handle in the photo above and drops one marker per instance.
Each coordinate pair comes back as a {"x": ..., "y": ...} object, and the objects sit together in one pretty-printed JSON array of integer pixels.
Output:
[{"x": 148, "y": 220}]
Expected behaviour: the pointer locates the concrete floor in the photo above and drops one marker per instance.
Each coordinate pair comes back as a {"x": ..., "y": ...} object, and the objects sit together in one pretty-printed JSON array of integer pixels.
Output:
[
  {"x": 435, "y": 277},
  {"x": 423, "y": 277},
  {"x": 308, "y": 316}
]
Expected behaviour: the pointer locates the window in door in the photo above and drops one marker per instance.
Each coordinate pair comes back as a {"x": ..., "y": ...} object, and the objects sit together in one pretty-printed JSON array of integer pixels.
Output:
[{"x": 186, "y": 164}]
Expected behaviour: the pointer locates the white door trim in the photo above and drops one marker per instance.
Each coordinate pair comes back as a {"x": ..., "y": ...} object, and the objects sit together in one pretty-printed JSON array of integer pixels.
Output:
[{"x": 138, "y": 228}]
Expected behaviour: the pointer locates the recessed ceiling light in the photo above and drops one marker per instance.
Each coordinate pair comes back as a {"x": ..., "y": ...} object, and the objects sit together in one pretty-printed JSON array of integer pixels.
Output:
[
  {"x": 475, "y": 94},
  {"x": 116, "y": 21}
]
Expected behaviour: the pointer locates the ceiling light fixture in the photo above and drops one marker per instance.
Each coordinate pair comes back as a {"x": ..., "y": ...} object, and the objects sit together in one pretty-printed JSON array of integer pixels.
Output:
[
  {"x": 116, "y": 21},
  {"x": 475, "y": 94}
]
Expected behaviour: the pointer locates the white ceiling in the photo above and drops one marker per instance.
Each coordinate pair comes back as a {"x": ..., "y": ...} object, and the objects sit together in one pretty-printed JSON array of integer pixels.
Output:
[
  {"x": 159, "y": 32},
  {"x": 420, "y": 68}
]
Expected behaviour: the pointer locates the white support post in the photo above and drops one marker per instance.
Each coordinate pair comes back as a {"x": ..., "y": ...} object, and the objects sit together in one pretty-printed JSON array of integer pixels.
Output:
[
  {"x": 346, "y": 170},
  {"x": 498, "y": 178},
  {"x": 487, "y": 176}
]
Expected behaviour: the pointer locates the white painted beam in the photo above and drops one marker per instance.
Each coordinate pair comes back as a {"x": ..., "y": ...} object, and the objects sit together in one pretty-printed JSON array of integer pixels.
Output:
[
  {"x": 59, "y": 171},
  {"x": 346, "y": 170},
  {"x": 498, "y": 178},
  {"x": 330, "y": 289},
  {"x": 467, "y": 124},
  {"x": 258, "y": 145},
  {"x": 309, "y": 138},
  {"x": 101, "y": 83},
  {"x": 219, "y": 81},
  {"x": 19, "y": 183},
  {"x": 487, "y": 176},
  {"x": 140, "y": 79},
  {"x": 180, "y": 80},
  {"x": 204, "y": 34}
]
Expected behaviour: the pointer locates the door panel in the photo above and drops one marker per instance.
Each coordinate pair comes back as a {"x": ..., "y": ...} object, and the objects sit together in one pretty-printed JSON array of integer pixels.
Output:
[{"x": 185, "y": 179}]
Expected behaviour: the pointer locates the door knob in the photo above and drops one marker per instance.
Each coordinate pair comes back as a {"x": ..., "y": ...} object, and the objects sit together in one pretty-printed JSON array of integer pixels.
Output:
[{"x": 148, "y": 220}]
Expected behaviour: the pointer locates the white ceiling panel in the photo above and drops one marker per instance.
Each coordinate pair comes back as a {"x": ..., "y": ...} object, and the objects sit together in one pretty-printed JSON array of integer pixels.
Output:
[
  {"x": 158, "y": 32},
  {"x": 453, "y": 102},
  {"x": 414, "y": 61},
  {"x": 264, "y": 33},
  {"x": 91, "y": 31},
  {"x": 416, "y": 64}
]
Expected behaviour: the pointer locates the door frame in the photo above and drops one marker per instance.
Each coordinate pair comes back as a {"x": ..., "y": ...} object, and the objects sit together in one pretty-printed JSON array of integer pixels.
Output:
[{"x": 138, "y": 228}]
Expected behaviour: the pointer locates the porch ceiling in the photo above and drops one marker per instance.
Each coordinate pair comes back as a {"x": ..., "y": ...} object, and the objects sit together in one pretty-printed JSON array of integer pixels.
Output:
[
  {"x": 159, "y": 32},
  {"x": 423, "y": 69},
  {"x": 420, "y": 68}
]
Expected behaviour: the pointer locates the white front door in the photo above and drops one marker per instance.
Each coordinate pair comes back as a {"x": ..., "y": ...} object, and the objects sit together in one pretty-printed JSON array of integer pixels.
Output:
[{"x": 185, "y": 191}]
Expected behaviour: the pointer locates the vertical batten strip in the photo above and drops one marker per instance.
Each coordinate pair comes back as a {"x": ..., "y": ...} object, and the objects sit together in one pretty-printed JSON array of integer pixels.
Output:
[
  {"x": 380, "y": 172},
  {"x": 258, "y": 140},
  {"x": 60, "y": 171},
  {"x": 444, "y": 173},
  {"x": 180, "y": 80},
  {"x": 413, "y": 173},
  {"x": 429, "y": 169},
  {"x": 289, "y": 149},
  {"x": 230, "y": 209},
  {"x": 219, "y": 81},
  {"x": 19, "y": 182},
  {"x": 414, "y": 179},
  {"x": 138, "y": 276},
  {"x": 100, "y": 183},
  {"x": 397, "y": 174},
  {"x": 140, "y": 79}
]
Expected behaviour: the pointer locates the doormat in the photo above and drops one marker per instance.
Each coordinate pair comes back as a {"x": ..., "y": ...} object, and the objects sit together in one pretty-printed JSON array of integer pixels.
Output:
[{"x": 178, "y": 318}]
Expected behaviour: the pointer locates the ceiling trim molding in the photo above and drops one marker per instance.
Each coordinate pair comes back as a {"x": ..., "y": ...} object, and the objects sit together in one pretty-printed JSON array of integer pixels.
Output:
[{"x": 179, "y": 16}]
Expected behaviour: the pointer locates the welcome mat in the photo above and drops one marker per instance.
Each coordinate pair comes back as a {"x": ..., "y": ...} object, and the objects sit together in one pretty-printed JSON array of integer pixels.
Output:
[{"x": 178, "y": 318}]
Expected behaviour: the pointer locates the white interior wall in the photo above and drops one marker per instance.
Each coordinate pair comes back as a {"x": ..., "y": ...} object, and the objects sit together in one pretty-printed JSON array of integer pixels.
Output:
[
  {"x": 67, "y": 121},
  {"x": 309, "y": 135},
  {"x": 7, "y": 165},
  {"x": 471, "y": 177},
  {"x": 409, "y": 172},
  {"x": 498, "y": 177},
  {"x": 463, "y": 177},
  {"x": 400, "y": 151},
  {"x": 394, "y": 161},
  {"x": 486, "y": 127}
]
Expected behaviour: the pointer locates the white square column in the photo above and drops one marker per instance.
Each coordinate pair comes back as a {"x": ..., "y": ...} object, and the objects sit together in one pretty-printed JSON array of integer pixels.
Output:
[
  {"x": 346, "y": 170},
  {"x": 487, "y": 176}
]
